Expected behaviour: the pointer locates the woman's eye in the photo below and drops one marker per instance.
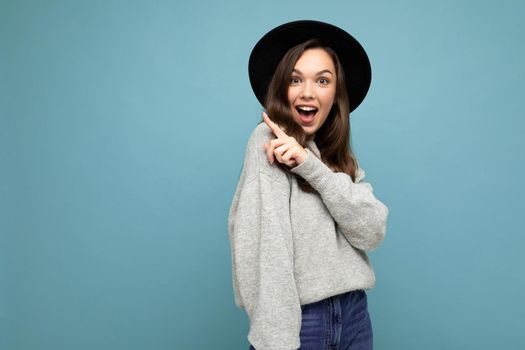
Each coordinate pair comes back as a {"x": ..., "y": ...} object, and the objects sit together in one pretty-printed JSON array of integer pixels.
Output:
[
  {"x": 294, "y": 80},
  {"x": 323, "y": 81}
]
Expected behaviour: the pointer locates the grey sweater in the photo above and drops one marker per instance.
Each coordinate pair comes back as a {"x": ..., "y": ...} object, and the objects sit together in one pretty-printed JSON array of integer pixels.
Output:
[{"x": 291, "y": 248}]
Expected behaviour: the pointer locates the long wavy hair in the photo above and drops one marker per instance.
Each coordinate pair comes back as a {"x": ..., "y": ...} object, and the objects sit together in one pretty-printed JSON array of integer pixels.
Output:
[{"x": 333, "y": 137}]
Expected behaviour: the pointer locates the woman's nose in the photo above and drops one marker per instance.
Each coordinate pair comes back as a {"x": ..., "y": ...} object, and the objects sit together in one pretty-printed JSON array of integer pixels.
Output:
[{"x": 307, "y": 91}]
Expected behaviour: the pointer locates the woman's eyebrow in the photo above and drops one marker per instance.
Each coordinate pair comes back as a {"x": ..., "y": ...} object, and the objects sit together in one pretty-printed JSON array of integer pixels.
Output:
[{"x": 318, "y": 73}]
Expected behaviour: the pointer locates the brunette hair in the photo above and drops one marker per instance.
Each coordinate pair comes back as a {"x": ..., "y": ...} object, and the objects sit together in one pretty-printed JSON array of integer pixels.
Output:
[{"x": 333, "y": 137}]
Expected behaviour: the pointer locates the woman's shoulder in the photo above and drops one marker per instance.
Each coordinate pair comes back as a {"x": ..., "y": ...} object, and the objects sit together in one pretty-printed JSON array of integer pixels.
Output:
[
  {"x": 261, "y": 133},
  {"x": 256, "y": 162}
]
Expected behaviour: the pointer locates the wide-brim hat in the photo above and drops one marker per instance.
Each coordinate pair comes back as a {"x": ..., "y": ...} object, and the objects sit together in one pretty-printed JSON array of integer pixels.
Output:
[{"x": 271, "y": 48}]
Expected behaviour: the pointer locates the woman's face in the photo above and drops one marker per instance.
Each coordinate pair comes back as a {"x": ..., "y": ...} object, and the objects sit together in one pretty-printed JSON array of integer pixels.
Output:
[{"x": 311, "y": 91}]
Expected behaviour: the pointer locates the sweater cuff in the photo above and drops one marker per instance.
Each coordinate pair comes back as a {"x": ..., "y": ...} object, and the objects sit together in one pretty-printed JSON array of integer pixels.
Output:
[{"x": 314, "y": 171}]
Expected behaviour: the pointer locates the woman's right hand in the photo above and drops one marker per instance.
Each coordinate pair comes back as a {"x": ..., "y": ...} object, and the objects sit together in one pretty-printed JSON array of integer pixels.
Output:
[{"x": 284, "y": 148}]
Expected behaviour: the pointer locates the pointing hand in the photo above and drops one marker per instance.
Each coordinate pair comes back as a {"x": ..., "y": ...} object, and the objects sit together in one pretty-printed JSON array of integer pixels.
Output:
[{"x": 284, "y": 148}]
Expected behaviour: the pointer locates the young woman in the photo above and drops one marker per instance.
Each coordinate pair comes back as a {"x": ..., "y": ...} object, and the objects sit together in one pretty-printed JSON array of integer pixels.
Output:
[{"x": 302, "y": 218}]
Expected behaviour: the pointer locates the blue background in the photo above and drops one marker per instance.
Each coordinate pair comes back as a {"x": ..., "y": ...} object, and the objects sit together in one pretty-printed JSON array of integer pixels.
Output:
[{"x": 122, "y": 133}]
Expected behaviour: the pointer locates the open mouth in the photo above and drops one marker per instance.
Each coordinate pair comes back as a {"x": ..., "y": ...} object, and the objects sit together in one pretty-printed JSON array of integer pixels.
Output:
[{"x": 306, "y": 113}]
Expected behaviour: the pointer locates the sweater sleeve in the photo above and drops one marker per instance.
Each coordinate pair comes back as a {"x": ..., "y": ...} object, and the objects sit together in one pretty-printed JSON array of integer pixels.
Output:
[
  {"x": 359, "y": 215},
  {"x": 262, "y": 256}
]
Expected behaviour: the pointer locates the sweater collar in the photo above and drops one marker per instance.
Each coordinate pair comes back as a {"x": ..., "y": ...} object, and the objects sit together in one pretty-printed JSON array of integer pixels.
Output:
[{"x": 313, "y": 146}]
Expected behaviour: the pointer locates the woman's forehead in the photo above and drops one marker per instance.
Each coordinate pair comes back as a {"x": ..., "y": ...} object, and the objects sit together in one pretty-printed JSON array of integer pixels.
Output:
[{"x": 314, "y": 60}]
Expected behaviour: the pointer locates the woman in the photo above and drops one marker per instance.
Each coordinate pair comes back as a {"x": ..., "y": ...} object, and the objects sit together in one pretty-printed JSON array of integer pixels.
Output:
[{"x": 302, "y": 218}]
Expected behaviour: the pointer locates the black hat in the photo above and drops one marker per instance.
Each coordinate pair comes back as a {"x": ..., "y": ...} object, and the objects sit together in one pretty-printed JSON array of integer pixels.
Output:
[{"x": 271, "y": 48}]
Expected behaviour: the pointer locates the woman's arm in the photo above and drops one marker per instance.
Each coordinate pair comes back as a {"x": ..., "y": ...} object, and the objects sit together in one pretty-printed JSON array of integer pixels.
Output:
[
  {"x": 359, "y": 215},
  {"x": 262, "y": 253}
]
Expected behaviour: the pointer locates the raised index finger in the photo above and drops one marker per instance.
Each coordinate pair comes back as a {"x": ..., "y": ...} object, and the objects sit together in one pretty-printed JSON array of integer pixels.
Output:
[{"x": 274, "y": 127}]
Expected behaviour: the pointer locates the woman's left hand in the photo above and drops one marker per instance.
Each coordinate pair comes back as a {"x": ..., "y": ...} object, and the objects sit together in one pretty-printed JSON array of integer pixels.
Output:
[{"x": 284, "y": 148}]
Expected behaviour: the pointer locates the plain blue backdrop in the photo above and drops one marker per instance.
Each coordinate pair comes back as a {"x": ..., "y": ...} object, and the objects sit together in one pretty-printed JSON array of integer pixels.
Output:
[{"x": 122, "y": 133}]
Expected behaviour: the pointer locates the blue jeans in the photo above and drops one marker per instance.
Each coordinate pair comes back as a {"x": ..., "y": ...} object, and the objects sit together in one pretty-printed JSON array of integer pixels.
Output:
[{"x": 340, "y": 322}]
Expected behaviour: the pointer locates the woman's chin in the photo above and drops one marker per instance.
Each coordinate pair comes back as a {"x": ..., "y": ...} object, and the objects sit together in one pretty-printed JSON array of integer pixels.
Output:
[{"x": 310, "y": 131}]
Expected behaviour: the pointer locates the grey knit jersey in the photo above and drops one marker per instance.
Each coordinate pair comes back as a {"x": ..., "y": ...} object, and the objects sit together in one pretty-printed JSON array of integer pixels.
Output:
[{"x": 290, "y": 247}]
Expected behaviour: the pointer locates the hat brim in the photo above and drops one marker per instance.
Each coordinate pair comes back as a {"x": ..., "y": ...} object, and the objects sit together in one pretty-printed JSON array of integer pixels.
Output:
[{"x": 270, "y": 49}]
